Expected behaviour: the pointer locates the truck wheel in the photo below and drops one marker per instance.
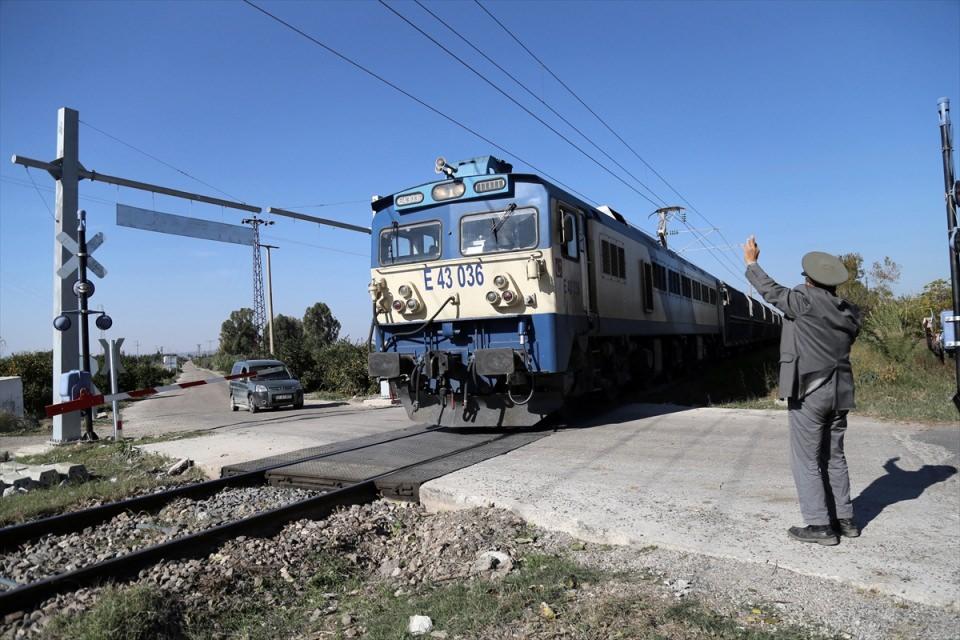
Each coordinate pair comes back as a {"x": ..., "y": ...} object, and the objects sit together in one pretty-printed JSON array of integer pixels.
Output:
[{"x": 251, "y": 406}]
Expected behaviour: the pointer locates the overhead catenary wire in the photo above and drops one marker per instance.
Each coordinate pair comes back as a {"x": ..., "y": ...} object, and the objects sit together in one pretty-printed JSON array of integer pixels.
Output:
[
  {"x": 697, "y": 235},
  {"x": 23, "y": 183},
  {"x": 599, "y": 118},
  {"x": 522, "y": 106},
  {"x": 411, "y": 96},
  {"x": 40, "y": 195},
  {"x": 163, "y": 162},
  {"x": 546, "y": 104}
]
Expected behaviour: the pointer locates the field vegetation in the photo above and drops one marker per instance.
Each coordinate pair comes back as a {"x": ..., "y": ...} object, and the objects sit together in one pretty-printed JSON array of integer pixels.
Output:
[
  {"x": 311, "y": 347},
  {"x": 35, "y": 369},
  {"x": 117, "y": 471},
  {"x": 584, "y": 603}
]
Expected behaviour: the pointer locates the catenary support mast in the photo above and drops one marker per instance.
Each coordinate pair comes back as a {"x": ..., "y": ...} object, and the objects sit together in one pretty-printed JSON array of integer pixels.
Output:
[
  {"x": 950, "y": 198},
  {"x": 66, "y": 344}
]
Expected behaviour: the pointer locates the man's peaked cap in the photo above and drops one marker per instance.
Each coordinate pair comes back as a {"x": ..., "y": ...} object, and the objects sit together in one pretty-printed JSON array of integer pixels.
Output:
[{"x": 824, "y": 269}]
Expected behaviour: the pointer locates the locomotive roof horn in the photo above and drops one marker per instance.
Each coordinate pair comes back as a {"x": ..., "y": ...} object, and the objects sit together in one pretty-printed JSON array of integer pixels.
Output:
[{"x": 441, "y": 166}]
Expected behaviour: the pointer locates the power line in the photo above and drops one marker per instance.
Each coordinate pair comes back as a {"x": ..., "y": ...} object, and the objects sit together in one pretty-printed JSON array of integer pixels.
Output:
[
  {"x": 322, "y": 204},
  {"x": 163, "y": 162},
  {"x": 40, "y": 195},
  {"x": 600, "y": 119},
  {"x": 419, "y": 101},
  {"x": 519, "y": 104},
  {"x": 538, "y": 98},
  {"x": 23, "y": 183},
  {"x": 316, "y": 246}
]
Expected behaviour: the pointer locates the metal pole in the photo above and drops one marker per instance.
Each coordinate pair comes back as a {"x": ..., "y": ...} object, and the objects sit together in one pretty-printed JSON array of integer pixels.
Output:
[
  {"x": 84, "y": 317},
  {"x": 270, "y": 296},
  {"x": 114, "y": 388},
  {"x": 946, "y": 146},
  {"x": 66, "y": 428}
]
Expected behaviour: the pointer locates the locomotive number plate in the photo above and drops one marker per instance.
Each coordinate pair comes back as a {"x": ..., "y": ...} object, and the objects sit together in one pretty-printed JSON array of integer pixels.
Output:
[{"x": 461, "y": 275}]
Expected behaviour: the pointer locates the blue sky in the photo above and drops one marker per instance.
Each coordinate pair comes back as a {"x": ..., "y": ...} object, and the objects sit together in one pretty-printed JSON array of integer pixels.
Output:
[{"x": 811, "y": 124}]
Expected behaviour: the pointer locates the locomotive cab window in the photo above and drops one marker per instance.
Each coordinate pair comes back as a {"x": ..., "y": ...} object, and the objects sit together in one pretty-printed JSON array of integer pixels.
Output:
[
  {"x": 508, "y": 230},
  {"x": 410, "y": 243},
  {"x": 569, "y": 236}
]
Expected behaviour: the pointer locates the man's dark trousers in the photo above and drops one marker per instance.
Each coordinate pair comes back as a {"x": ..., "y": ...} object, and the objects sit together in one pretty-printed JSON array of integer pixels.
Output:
[{"x": 816, "y": 454}]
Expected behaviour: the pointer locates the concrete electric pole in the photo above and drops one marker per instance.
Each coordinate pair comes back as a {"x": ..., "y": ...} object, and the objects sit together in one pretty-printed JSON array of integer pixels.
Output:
[{"x": 66, "y": 344}]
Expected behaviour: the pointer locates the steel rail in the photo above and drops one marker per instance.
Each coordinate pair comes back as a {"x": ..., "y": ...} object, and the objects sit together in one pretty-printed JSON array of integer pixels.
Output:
[
  {"x": 14, "y": 536},
  {"x": 202, "y": 542}
]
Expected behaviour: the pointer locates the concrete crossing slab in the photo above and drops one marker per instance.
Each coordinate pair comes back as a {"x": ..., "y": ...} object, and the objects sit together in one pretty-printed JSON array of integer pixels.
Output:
[{"x": 717, "y": 482}]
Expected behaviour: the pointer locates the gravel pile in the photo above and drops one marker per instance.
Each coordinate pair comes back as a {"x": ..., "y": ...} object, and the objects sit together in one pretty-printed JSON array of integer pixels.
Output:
[{"x": 130, "y": 531}]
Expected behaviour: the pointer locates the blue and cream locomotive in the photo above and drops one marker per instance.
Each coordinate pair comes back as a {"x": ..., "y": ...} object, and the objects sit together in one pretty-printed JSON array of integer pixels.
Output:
[{"x": 499, "y": 296}]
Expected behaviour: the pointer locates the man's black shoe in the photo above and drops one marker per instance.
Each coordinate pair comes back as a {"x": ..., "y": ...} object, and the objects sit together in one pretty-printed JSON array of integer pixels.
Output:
[
  {"x": 848, "y": 528},
  {"x": 821, "y": 534}
]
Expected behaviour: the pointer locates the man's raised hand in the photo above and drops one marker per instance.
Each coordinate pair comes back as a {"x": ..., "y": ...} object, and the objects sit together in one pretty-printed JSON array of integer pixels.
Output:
[{"x": 751, "y": 252}]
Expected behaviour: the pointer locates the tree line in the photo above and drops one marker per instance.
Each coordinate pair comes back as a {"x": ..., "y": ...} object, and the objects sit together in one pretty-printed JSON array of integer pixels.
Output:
[{"x": 310, "y": 346}]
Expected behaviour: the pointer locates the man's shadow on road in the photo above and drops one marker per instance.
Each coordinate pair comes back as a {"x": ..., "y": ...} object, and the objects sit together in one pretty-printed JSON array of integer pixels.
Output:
[{"x": 897, "y": 485}]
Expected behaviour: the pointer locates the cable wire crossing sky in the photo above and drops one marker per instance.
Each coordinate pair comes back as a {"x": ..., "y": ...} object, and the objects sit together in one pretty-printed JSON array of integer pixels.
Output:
[{"x": 812, "y": 125}]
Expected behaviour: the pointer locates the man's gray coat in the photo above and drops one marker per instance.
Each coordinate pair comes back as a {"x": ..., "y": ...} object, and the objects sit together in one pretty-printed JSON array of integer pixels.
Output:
[{"x": 818, "y": 330}]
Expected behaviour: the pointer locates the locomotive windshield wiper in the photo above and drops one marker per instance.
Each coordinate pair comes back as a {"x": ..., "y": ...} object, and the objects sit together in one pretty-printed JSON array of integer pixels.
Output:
[{"x": 503, "y": 218}]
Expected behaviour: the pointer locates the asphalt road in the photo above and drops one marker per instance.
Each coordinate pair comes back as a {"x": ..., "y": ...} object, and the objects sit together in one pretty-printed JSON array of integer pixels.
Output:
[{"x": 237, "y": 436}]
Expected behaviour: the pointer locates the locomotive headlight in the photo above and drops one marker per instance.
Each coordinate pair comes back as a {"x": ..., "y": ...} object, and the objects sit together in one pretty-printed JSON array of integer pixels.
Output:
[
  {"x": 405, "y": 290},
  {"x": 500, "y": 282},
  {"x": 493, "y": 297},
  {"x": 397, "y": 305},
  {"x": 413, "y": 305},
  {"x": 509, "y": 296},
  {"x": 448, "y": 191}
]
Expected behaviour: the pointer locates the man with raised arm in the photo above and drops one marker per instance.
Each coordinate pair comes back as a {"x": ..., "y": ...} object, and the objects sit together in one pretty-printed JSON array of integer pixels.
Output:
[{"x": 819, "y": 328}]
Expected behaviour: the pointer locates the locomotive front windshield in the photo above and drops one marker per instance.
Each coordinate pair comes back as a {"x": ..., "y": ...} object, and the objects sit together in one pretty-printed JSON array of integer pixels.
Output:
[
  {"x": 507, "y": 230},
  {"x": 410, "y": 243}
]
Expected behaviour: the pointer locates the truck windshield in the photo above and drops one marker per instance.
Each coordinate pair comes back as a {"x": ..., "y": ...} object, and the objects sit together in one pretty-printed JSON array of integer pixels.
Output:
[
  {"x": 507, "y": 230},
  {"x": 410, "y": 243}
]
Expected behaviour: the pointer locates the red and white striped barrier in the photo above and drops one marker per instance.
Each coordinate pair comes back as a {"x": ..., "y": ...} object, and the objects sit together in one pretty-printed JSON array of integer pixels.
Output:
[{"x": 87, "y": 401}]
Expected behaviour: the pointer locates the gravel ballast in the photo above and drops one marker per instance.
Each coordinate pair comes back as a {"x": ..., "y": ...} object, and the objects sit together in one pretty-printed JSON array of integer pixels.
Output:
[
  {"x": 127, "y": 532},
  {"x": 402, "y": 550}
]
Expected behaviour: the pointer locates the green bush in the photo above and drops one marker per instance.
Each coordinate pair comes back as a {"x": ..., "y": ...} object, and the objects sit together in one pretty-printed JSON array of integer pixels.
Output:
[
  {"x": 887, "y": 330},
  {"x": 342, "y": 367},
  {"x": 35, "y": 369},
  {"x": 138, "y": 372}
]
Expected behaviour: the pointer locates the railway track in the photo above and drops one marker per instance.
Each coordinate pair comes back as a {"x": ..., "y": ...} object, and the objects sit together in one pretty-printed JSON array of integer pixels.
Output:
[{"x": 265, "y": 522}]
